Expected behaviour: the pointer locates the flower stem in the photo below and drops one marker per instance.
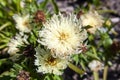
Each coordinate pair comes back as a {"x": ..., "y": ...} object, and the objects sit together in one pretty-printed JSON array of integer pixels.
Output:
[
  {"x": 76, "y": 69},
  {"x": 105, "y": 72},
  {"x": 96, "y": 75}
]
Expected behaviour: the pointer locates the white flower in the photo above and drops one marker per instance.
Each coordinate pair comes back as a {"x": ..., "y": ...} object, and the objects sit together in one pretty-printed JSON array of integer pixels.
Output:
[
  {"x": 47, "y": 64},
  {"x": 92, "y": 19},
  {"x": 95, "y": 65},
  {"x": 63, "y": 35},
  {"x": 22, "y": 23},
  {"x": 18, "y": 40}
]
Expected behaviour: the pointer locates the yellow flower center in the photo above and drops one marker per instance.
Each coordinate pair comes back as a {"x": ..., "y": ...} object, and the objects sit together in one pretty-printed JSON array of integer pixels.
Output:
[
  {"x": 26, "y": 23},
  {"x": 51, "y": 61},
  {"x": 63, "y": 36}
]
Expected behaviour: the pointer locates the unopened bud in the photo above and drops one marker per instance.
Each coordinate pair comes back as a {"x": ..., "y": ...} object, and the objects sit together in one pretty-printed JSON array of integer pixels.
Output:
[
  {"x": 23, "y": 75},
  {"x": 39, "y": 16}
]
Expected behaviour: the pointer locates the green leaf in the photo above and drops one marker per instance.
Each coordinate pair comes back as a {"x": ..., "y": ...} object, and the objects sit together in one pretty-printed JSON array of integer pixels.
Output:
[
  {"x": 43, "y": 4},
  {"x": 91, "y": 37},
  {"x": 76, "y": 59},
  {"x": 76, "y": 69},
  {"x": 47, "y": 78},
  {"x": 56, "y": 9},
  {"x": 3, "y": 46},
  {"x": 17, "y": 67},
  {"x": 96, "y": 2},
  {"x": 56, "y": 77},
  {"x": 33, "y": 37},
  {"x": 8, "y": 73},
  {"x": 89, "y": 54},
  {"x": 2, "y": 61},
  {"x": 82, "y": 64},
  {"x": 5, "y": 78}
]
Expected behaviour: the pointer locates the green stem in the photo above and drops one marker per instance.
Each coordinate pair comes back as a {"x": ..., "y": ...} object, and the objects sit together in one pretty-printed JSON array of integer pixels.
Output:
[
  {"x": 105, "y": 72},
  {"x": 76, "y": 69},
  {"x": 96, "y": 75}
]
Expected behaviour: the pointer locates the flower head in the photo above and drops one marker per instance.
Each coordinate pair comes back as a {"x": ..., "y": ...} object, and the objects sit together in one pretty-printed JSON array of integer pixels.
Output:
[
  {"x": 62, "y": 35},
  {"x": 95, "y": 65},
  {"x": 47, "y": 64},
  {"x": 92, "y": 19},
  {"x": 18, "y": 40},
  {"x": 22, "y": 23}
]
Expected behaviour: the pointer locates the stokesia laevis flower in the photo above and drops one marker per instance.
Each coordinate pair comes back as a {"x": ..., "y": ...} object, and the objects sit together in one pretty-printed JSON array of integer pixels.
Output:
[
  {"x": 63, "y": 35},
  {"x": 22, "y": 23},
  {"x": 47, "y": 64},
  {"x": 93, "y": 19},
  {"x": 18, "y": 40},
  {"x": 95, "y": 65}
]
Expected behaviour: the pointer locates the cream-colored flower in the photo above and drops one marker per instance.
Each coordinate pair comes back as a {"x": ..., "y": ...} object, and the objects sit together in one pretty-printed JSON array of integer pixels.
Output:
[
  {"x": 93, "y": 19},
  {"x": 95, "y": 65},
  {"x": 62, "y": 35},
  {"x": 18, "y": 40},
  {"x": 47, "y": 64},
  {"x": 22, "y": 23}
]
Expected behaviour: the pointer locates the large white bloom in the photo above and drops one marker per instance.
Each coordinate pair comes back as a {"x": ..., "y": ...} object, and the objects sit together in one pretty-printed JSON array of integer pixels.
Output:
[
  {"x": 18, "y": 40},
  {"x": 22, "y": 23},
  {"x": 47, "y": 64},
  {"x": 63, "y": 35},
  {"x": 95, "y": 65},
  {"x": 93, "y": 19}
]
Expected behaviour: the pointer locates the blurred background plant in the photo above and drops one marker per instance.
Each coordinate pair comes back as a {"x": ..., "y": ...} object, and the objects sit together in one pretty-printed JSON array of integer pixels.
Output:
[{"x": 102, "y": 48}]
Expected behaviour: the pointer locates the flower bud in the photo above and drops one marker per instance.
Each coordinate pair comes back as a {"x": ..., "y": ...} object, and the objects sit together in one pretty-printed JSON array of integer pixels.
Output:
[{"x": 39, "y": 16}]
